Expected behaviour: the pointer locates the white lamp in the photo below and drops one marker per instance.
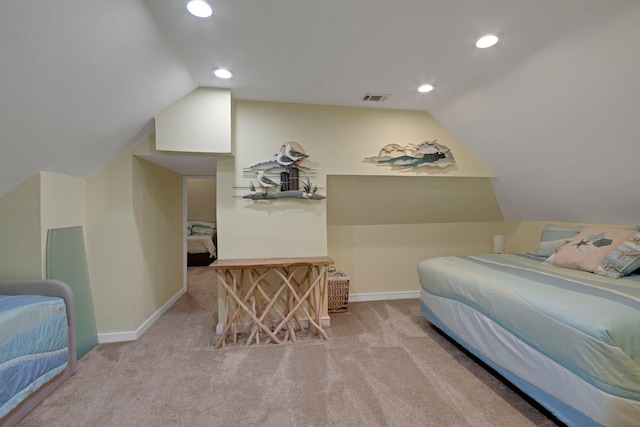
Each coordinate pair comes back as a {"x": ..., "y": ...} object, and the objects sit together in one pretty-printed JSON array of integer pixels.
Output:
[{"x": 498, "y": 244}]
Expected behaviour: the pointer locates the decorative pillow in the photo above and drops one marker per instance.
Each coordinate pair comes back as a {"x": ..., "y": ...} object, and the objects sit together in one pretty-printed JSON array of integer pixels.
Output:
[
  {"x": 553, "y": 237},
  {"x": 204, "y": 223},
  {"x": 202, "y": 228},
  {"x": 611, "y": 252}
]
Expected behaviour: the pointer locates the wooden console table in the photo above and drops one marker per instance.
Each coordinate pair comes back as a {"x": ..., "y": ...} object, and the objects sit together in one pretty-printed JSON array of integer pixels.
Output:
[{"x": 281, "y": 295}]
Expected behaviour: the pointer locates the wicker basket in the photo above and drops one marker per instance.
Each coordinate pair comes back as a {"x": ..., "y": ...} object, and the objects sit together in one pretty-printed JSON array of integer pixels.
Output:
[{"x": 338, "y": 291}]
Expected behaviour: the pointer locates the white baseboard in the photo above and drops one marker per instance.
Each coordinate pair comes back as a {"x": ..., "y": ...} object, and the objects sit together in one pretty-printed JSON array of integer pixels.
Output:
[
  {"x": 381, "y": 296},
  {"x": 117, "y": 337},
  {"x": 134, "y": 335},
  {"x": 326, "y": 321}
]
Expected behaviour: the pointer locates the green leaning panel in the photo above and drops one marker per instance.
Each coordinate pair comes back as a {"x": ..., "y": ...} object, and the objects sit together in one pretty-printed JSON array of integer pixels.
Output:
[{"x": 67, "y": 262}]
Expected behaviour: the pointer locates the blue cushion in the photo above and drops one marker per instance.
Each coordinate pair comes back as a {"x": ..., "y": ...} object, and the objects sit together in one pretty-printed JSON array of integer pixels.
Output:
[{"x": 553, "y": 237}]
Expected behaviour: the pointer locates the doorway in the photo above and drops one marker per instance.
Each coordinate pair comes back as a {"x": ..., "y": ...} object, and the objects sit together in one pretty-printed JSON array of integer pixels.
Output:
[{"x": 200, "y": 220}]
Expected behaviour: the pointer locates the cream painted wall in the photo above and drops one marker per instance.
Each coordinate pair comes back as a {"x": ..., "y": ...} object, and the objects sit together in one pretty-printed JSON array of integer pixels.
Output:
[
  {"x": 158, "y": 257},
  {"x": 375, "y": 200},
  {"x": 63, "y": 205},
  {"x": 199, "y": 122},
  {"x": 110, "y": 228},
  {"x": 201, "y": 199},
  {"x": 20, "y": 233},
  {"x": 337, "y": 140},
  {"x": 377, "y": 223},
  {"x": 523, "y": 236},
  {"x": 380, "y": 228},
  {"x": 384, "y": 258},
  {"x": 132, "y": 214},
  {"x": 125, "y": 217}
]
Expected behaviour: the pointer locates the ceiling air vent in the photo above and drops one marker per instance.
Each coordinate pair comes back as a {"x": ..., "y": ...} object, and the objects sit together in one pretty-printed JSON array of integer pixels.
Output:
[{"x": 375, "y": 97}]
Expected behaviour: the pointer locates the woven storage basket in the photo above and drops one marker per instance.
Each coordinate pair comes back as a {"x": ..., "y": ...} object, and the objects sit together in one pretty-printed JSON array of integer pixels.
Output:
[{"x": 337, "y": 291}]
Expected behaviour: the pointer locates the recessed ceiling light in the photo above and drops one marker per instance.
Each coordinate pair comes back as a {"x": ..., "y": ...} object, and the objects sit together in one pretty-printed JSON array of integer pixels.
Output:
[
  {"x": 222, "y": 73},
  {"x": 425, "y": 88},
  {"x": 486, "y": 41},
  {"x": 199, "y": 8}
]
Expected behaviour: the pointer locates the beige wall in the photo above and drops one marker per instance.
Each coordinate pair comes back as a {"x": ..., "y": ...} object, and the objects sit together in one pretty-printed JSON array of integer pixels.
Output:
[
  {"x": 201, "y": 199},
  {"x": 127, "y": 214},
  {"x": 374, "y": 200},
  {"x": 44, "y": 201},
  {"x": 199, "y": 122},
  {"x": 337, "y": 140},
  {"x": 63, "y": 205},
  {"x": 523, "y": 236},
  {"x": 20, "y": 233},
  {"x": 380, "y": 228},
  {"x": 384, "y": 258},
  {"x": 158, "y": 257},
  {"x": 110, "y": 228},
  {"x": 377, "y": 223},
  {"x": 132, "y": 214}
]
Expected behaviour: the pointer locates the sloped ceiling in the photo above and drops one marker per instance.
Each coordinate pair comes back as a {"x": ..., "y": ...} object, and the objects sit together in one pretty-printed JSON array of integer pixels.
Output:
[{"x": 551, "y": 109}]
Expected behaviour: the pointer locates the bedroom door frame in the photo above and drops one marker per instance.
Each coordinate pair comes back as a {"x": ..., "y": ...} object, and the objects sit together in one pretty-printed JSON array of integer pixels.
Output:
[{"x": 185, "y": 218}]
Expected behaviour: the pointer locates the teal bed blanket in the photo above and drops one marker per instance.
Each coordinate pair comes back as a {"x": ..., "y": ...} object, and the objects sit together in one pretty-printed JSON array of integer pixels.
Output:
[
  {"x": 33, "y": 345},
  {"x": 587, "y": 323}
]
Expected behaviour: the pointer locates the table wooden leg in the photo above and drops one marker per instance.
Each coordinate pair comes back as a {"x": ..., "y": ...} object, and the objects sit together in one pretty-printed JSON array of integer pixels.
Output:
[
  {"x": 274, "y": 308},
  {"x": 241, "y": 305},
  {"x": 300, "y": 305}
]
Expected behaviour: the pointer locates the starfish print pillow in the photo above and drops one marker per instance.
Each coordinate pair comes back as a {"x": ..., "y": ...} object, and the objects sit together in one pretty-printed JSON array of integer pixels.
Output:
[{"x": 608, "y": 251}]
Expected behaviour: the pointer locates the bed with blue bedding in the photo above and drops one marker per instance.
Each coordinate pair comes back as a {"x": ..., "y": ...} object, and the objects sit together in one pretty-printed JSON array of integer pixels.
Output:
[
  {"x": 37, "y": 344},
  {"x": 570, "y": 339}
]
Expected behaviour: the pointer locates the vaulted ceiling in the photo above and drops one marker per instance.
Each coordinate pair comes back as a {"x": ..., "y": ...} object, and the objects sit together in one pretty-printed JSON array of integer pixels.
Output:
[{"x": 552, "y": 108}]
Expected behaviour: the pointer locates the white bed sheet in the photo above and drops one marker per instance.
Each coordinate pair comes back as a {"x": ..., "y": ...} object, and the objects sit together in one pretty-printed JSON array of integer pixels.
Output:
[
  {"x": 201, "y": 244},
  {"x": 506, "y": 350}
]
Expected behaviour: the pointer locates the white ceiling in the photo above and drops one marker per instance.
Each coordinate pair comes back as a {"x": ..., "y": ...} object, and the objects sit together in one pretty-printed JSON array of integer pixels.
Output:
[{"x": 81, "y": 81}]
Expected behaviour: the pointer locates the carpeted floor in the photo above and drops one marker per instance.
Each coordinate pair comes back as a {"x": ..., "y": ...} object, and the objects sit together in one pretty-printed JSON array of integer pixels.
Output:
[{"x": 383, "y": 366}]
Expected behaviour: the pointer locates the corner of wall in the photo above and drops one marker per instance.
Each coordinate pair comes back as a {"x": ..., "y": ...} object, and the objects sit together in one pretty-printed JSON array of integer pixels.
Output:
[
  {"x": 157, "y": 239},
  {"x": 20, "y": 232},
  {"x": 63, "y": 203}
]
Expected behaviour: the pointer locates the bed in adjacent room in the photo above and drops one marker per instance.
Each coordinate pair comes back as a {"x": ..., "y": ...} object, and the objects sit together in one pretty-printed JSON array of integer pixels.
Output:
[
  {"x": 201, "y": 243},
  {"x": 568, "y": 338},
  {"x": 37, "y": 344}
]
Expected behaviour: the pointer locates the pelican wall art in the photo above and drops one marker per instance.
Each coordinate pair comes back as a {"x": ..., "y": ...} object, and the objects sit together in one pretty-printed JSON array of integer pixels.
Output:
[
  {"x": 282, "y": 177},
  {"x": 427, "y": 153}
]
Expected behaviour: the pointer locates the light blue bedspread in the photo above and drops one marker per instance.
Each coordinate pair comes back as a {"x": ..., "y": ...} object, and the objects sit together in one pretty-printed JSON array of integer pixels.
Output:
[
  {"x": 33, "y": 345},
  {"x": 589, "y": 324}
]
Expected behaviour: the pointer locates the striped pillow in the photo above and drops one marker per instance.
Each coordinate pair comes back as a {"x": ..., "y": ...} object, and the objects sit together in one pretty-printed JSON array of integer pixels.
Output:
[
  {"x": 202, "y": 228},
  {"x": 611, "y": 252},
  {"x": 553, "y": 237}
]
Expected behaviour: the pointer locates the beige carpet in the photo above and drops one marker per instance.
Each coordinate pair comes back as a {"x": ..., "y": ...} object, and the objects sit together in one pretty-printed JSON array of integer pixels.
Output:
[{"x": 384, "y": 366}]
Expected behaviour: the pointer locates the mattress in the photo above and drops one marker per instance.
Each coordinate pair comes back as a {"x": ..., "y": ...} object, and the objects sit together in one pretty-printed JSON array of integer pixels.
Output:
[
  {"x": 571, "y": 335},
  {"x": 201, "y": 244},
  {"x": 33, "y": 345}
]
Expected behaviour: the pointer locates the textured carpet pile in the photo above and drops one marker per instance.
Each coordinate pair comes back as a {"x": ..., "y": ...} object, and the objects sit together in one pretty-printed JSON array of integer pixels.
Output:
[{"x": 383, "y": 366}]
